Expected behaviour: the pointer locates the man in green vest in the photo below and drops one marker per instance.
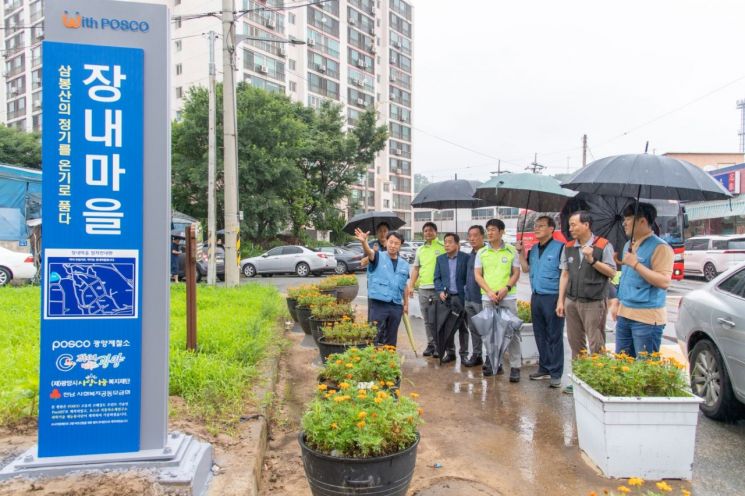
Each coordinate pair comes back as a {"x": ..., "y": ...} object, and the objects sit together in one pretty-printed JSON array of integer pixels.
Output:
[
  {"x": 497, "y": 269},
  {"x": 423, "y": 273}
]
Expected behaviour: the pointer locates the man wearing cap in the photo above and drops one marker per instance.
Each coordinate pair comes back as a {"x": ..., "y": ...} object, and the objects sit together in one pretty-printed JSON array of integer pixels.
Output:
[{"x": 423, "y": 274}]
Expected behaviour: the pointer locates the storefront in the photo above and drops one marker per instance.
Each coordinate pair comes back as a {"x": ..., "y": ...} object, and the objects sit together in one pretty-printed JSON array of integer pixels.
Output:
[{"x": 722, "y": 216}]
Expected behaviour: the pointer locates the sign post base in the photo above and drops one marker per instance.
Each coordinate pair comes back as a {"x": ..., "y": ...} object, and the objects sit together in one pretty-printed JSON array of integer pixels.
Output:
[{"x": 183, "y": 462}]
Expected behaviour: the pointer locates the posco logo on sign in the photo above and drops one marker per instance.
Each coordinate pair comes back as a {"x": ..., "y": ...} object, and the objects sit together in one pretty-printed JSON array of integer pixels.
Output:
[{"x": 76, "y": 21}]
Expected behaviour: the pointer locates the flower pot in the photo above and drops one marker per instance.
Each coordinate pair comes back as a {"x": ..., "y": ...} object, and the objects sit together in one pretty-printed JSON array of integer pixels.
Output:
[
  {"x": 291, "y": 305},
  {"x": 649, "y": 437},
  {"x": 329, "y": 292},
  {"x": 316, "y": 327},
  {"x": 345, "y": 294},
  {"x": 327, "y": 349},
  {"x": 388, "y": 475},
  {"x": 528, "y": 346},
  {"x": 303, "y": 318}
]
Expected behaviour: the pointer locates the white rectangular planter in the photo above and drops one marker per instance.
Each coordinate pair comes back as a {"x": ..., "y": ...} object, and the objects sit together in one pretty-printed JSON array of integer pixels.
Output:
[
  {"x": 652, "y": 438},
  {"x": 528, "y": 346}
]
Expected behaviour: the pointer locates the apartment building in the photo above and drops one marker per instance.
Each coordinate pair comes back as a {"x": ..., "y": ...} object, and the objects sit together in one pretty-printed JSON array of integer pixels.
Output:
[{"x": 358, "y": 53}]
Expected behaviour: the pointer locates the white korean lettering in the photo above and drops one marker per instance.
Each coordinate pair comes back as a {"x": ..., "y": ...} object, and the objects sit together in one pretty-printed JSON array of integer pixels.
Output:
[
  {"x": 103, "y": 216},
  {"x": 97, "y": 170},
  {"x": 112, "y": 126},
  {"x": 108, "y": 89}
]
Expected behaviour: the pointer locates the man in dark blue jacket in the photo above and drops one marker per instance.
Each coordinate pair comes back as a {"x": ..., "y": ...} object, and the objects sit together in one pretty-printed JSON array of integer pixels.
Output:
[{"x": 451, "y": 270}]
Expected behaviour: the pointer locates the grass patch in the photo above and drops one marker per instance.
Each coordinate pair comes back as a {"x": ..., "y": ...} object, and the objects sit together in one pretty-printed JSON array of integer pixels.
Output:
[{"x": 237, "y": 328}]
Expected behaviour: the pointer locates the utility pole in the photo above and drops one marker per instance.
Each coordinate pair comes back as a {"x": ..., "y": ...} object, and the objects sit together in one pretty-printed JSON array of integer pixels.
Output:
[
  {"x": 499, "y": 169},
  {"x": 584, "y": 150},
  {"x": 230, "y": 145},
  {"x": 535, "y": 166},
  {"x": 211, "y": 165}
]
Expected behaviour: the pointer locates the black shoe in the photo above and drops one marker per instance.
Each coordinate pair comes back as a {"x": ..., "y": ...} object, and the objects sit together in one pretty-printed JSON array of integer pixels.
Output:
[
  {"x": 473, "y": 361},
  {"x": 540, "y": 375},
  {"x": 435, "y": 354},
  {"x": 514, "y": 375},
  {"x": 500, "y": 370},
  {"x": 488, "y": 372},
  {"x": 449, "y": 357},
  {"x": 429, "y": 350}
]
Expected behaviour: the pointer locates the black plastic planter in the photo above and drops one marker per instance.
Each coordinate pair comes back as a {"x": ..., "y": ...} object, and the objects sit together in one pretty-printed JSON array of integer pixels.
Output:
[
  {"x": 327, "y": 349},
  {"x": 345, "y": 294},
  {"x": 382, "y": 476},
  {"x": 316, "y": 327},
  {"x": 303, "y": 318},
  {"x": 291, "y": 305}
]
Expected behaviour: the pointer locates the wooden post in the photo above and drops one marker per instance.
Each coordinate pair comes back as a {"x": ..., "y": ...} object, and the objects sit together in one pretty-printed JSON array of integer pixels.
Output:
[{"x": 191, "y": 289}]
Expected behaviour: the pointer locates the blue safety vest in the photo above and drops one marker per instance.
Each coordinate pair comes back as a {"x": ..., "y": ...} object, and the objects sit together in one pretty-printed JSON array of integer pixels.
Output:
[
  {"x": 544, "y": 270},
  {"x": 633, "y": 290},
  {"x": 386, "y": 283}
]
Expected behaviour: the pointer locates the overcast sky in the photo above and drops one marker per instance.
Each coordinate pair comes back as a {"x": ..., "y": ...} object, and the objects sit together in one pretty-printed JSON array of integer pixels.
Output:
[{"x": 508, "y": 78}]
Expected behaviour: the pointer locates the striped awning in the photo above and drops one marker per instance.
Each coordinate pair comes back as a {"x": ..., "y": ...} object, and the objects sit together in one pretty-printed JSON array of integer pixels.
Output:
[{"x": 716, "y": 209}]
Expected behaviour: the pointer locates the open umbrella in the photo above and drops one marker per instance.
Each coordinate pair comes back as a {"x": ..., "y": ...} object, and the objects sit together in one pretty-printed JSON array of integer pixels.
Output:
[
  {"x": 369, "y": 221},
  {"x": 606, "y": 213},
  {"x": 647, "y": 176},
  {"x": 454, "y": 193}
]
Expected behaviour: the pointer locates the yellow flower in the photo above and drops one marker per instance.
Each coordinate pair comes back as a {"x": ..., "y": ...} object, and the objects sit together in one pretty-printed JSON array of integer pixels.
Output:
[
  {"x": 362, "y": 415},
  {"x": 625, "y": 368},
  {"x": 390, "y": 383},
  {"x": 349, "y": 376},
  {"x": 339, "y": 399},
  {"x": 420, "y": 411},
  {"x": 664, "y": 487},
  {"x": 339, "y": 361},
  {"x": 414, "y": 395},
  {"x": 374, "y": 387},
  {"x": 643, "y": 353},
  {"x": 623, "y": 489},
  {"x": 322, "y": 387},
  {"x": 685, "y": 492},
  {"x": 378, "y": 401},
  {"x": 636, "y": 481},
  {"x": 343, "y": 385},
  {"x": 349, "y": 365},
  {"x": 334, "y": 426},
  {"x": 361, "y": 424},
  {"x": 398, "y": 393},
  {"x": 600, "y": 365},
  {"x": 357, "y": 359},
  {"x": 592, "y": 493}
]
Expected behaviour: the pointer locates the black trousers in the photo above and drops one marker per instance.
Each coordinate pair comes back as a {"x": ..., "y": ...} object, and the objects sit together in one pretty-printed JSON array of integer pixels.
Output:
[
  {"x": 387, "y": 317},
  {"x": 548, "y": 329}
]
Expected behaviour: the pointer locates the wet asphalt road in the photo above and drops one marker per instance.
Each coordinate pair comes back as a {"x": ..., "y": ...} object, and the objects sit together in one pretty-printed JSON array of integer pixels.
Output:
[{"x": 540, "y": 427}]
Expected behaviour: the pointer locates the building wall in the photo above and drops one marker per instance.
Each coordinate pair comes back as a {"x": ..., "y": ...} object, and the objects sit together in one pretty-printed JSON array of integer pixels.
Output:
[
  {"x": 338, "y": 35},
  {"x": 709, "y": 160}
]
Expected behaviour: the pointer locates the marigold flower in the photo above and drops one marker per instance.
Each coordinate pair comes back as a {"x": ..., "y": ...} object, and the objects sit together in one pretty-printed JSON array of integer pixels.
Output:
[
  {"x": 332, "y": 391},
  {"x": 357, "y": 359},
  {"x": 374, "y": 387},
  {"x": 390, "y": 383},
  {"x": 643, "y": 353},
  {"x": 685, "y": 492},
  {"x": 349, "y": 376},
  {"x": 636, "y": 481},
  {"x": 378, "y": 401},
  {"x": 348, "y": 365},
  {"x": 361, "y": 424},
  {"x": 623, "y": 489},
  {"x": 592, "y": 493},
  {"x": 322, "y": 387},
  {"x": 625, "y": 368},
  {"x": 414, "y": 395},
  {"x": 600, "y": 365},
  {"x": 339, "y": 361},
  {"x": 362, "y": 414},
  {"x": 374, "y": 415},
  {"x": 334, "y": 426},
  {"x": 343, "y": 385},
  {"x": 664, "y": 487},
  {"x": 398, "y": 393},
  {"x": 420, "y": 411}
]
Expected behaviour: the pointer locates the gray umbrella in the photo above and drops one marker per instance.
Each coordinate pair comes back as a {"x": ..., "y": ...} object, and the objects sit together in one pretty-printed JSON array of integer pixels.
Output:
[
  {"x": 369, "y": 221},
  {"x": 647, "y": 176},
  {"x": 454, "y": 193}
]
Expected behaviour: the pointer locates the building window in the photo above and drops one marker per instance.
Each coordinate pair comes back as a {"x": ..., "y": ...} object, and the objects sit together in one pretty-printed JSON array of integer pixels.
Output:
[
  {"x": 262, "y": 64},
  {"x": 323, "y": 86},
  {"x": 179, "y": 92},
  {"x": 482, "y": 213},
  {"x": 422, "y": 216},
  {"x": 443, "y": 215},
  {"x": 178, "y": 23},
  {"x": 293, "y": 86},
  {"x": 178, "y": 45},
  {"x": 291, "y": 18},
  {"x": 292, "y": 65},
  {"x": 179, "y": 69},
  {"x": 386, "y": 204}
]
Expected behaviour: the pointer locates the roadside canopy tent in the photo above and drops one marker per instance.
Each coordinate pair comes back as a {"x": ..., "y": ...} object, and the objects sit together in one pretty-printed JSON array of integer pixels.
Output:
[{"x": 20, "y": 201}]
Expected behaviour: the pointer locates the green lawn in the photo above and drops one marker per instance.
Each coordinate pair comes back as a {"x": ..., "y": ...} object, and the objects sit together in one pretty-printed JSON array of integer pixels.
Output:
[{"x": 236, "y": 328}]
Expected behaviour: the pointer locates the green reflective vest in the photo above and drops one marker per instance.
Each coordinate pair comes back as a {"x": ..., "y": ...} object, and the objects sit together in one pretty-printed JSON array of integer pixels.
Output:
[
  {"x": 428, "y": 254},
  {"x": 497, "y": 266}
]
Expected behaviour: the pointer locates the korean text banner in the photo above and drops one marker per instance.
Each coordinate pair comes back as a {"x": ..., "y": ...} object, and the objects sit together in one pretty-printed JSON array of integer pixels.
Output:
[{"x": 91, "y": 328}]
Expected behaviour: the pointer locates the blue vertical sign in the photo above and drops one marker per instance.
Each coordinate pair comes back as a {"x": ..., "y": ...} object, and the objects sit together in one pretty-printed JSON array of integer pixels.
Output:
[{"x": 91, "y": 327}]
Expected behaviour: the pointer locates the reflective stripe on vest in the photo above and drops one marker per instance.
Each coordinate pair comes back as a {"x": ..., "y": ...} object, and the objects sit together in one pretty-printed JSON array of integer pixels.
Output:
[
  {"x": 427, "y": 259},
  {"x": 497, "y": 266}
]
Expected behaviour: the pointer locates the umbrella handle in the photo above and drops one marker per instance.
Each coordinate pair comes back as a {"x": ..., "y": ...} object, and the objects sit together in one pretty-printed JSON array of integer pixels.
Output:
[
  {"x": 525, "y": 217},
  {"x": 636, "y": 213}
]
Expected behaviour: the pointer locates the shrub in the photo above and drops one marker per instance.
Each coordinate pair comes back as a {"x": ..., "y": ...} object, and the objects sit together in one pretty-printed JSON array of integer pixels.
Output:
[
  {"x": 349, "y": 332},
  {"x": 360, "y": 423},
  {"x": 332, "y": 311},
  {"x": 523, "y": 311},
  {"x": 345, "y": 280},
  {"x": 327, "y": 284},
  {"x": 296, "y": 292},
  {"x": 315, "y": 299},
  {"x": 380, "y": 365},
  {"x": 621, "y": 375}
]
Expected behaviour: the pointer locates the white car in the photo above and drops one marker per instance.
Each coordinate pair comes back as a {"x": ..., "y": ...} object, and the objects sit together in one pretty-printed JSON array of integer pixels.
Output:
[
  {"x": 708, "y": 256},
  {"x": 287, "y": 259},
  {"x": 15, "y": 265}
]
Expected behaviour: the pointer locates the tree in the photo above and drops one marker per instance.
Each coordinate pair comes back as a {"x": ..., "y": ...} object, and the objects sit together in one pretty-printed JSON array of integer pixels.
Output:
[
  {"x": 20, "y": 148},
  {"x": 332, "y": 161},
  {"x": 420, "y": 181}
]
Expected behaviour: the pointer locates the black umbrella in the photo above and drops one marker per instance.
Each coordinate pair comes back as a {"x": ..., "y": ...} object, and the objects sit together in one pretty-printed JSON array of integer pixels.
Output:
[
  {"x": 454, "y": 193},
  {"x": 606, "y": 213},
  {"x": 448, "y": 318},
  {"x": 369, "y": 222}
]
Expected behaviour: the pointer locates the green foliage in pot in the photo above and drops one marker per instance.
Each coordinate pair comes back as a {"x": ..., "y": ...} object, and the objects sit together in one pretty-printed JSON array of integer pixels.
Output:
[
  {"x": 621, "y": 375},
  {"x": 349, "y": 332},
  {"x": 315, "y": 299},
  {"x": 360, "y": 423},
  {"x": 298, "y": 291},
  {"x": 523, "y": 311},
  {"x": 380, "y": 365},
  {"x": 332, "y": 311},
  {"x": 345, "y": 280}
]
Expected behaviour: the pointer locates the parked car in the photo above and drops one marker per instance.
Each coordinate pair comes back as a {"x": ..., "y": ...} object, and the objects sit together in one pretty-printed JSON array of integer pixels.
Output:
[
  {"x": 711, "y": 327},
  {"x": 288, "y": 259},
  {"x": 203, "y": 262},
  {"x": 346, "y": 260},
  {"x": 708, "y": 256},
  {"x": 15, "y": 265}
]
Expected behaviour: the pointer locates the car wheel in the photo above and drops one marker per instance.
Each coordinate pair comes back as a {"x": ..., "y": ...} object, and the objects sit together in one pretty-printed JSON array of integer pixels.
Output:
[
  {"x": 710, "y": 272},
  {"x": 302, "y": 269},
  {"x": 341, "y": 268},
  {"x": 249, "y": 270},
  {"x": 710, "y": 381},
  {"x": 5, "y": 276}
]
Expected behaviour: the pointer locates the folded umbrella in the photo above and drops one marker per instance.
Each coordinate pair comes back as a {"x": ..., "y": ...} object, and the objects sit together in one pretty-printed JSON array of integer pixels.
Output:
[{"x": 407, "y": 325}]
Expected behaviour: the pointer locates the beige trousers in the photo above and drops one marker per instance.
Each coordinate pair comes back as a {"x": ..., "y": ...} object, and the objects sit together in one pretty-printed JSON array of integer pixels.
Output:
[{"x": 585, "y": 322}]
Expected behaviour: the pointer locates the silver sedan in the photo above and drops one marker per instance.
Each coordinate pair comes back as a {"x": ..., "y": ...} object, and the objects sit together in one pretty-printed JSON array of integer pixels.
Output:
[
  {"x": 711, "y": 328},
  {"x": 287, "y": 259}
]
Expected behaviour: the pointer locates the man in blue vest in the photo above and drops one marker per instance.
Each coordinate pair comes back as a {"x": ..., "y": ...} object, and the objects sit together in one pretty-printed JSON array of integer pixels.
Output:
[
  {"x": 542, "y": 262},
  {"x": 641, "y": 315},
  {"x": 450, "y": 284},
  {"x": 387, "y": 275}
]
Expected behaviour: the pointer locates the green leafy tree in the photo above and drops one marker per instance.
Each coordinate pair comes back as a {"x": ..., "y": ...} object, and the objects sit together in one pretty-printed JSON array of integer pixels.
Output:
[
  {"x": 420, "y": 181},
  {"x": 20, "y": 148}
]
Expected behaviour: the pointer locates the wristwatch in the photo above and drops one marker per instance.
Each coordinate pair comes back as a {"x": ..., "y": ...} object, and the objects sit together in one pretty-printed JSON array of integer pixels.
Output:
[{"x": 509, "y": 288}]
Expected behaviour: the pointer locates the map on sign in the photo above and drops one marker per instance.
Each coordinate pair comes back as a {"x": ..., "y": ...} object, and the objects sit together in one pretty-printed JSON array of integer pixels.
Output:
[{"x": 90, "y": 286}]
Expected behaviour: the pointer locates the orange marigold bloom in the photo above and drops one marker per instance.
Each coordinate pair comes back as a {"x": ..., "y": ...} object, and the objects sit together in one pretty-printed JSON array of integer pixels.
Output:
[
  {"x": 414, "y": 395},
  {"x": 623, "y": 489},
  {"x": 378, "y": 401},
  {"x": 361, "y": 424},
  {"x": 625, "y": 368},
  {"x": 362, "y": 414},
  {"x": 343, "y": 385},
  {"x": 636, "y": 481},
  {"x": 322, "y": 387},
  {"x": 339, "y": 361},
  {"x": 334, "y": 426},
  {"x": 664, "y": 487},
  {"x": 349, "y": 365}
]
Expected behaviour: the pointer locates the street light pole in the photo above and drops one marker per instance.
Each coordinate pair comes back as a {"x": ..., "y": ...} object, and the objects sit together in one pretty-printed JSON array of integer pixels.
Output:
[
  {"x": 230, "y": 145},
  {"x": 211, "y": 165}
]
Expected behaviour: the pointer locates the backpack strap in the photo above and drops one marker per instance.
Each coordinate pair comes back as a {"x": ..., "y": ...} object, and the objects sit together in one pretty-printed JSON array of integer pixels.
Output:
[{"x": 600, "y": 242}]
